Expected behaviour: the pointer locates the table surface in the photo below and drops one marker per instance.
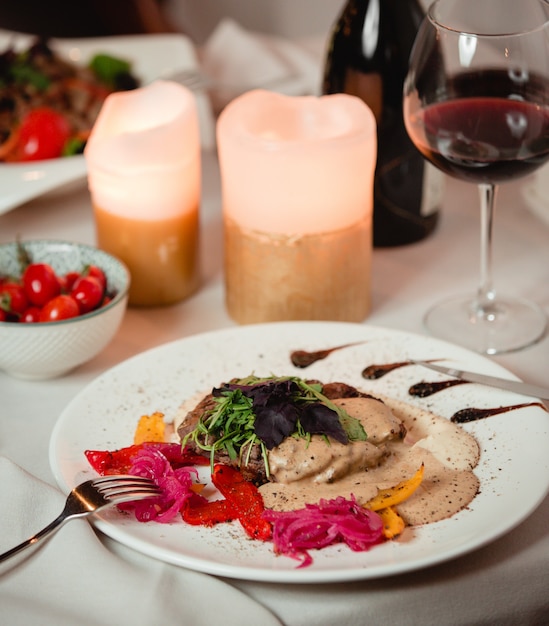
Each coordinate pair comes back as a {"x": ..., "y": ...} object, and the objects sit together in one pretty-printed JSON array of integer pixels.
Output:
[{"x": 502, "y": 583}]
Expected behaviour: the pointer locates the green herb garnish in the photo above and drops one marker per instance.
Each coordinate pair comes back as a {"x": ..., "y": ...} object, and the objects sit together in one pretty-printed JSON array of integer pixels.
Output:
[
  {"x": 107, "y": 68},
  {"x": 264, "y": 411},
  {"x": 73, "y": 146},
  {"x": 22, "y": 72}
]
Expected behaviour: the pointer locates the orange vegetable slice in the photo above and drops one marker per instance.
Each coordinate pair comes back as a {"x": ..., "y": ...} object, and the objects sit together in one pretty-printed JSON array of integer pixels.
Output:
[
  {"x": 150, "y": 428},
  {"x": 397, "y": 494},
  {"x": 393, "y": 524}
]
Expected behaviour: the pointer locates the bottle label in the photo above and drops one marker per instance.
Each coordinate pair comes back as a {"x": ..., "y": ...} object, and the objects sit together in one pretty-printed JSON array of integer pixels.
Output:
[{"x": 433, "y": 189}]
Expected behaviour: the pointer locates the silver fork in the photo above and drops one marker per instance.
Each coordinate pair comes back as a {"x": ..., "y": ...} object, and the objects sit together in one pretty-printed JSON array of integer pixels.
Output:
[{"x": 89, "y": 498}]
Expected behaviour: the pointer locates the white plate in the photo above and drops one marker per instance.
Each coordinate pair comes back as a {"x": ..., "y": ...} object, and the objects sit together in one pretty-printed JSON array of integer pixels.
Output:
[
  {"x": 104, "y": 416},
  {"x": 151, "y": 56}
]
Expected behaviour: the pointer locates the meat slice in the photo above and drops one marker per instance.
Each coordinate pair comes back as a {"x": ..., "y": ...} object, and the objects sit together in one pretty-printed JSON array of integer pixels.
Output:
[
  {"x": 254, "y": 468},
  {"x": 379, "y": 421}
]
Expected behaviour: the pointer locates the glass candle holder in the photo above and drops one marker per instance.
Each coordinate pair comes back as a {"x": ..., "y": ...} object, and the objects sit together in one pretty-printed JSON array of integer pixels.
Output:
[
  {"x": 144, "y": 169},
  {"x": 297, "y": 193}
]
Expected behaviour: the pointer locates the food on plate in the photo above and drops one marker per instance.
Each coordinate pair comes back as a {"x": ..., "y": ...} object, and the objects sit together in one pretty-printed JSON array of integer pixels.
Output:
[
  {"x": 39, "y": 294},
  {"x": 387, "y": 443},
  {"x": 239, "y": 421},
  {"x": 303, "y": 464},
  {"x": 320, "y": 525},
  {"x": 293, "y": 533},
  {"x": 150, "y": 428},
  {"x": 48, "y": 104}
]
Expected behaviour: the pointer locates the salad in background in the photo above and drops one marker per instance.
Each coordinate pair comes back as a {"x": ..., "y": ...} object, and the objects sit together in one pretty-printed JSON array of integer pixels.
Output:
[{"x": 48, "y": 105}]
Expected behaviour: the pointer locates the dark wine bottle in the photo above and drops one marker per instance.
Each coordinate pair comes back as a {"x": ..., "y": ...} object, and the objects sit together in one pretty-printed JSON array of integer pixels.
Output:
[{"x": 367, "y": 57}]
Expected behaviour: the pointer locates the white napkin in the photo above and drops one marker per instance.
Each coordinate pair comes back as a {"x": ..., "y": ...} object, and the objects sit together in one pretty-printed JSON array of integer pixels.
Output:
[
  {"x": 74, "y": 578},
  {"x": 238, "y": 60}
]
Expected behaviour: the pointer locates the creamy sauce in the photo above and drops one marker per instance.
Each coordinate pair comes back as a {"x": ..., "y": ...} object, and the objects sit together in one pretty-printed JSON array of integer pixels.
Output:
[{"x": 306, "y": 473}]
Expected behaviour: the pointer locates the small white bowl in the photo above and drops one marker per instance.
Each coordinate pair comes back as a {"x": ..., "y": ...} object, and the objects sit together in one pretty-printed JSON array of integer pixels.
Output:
[{"x": 42, "y": 350}]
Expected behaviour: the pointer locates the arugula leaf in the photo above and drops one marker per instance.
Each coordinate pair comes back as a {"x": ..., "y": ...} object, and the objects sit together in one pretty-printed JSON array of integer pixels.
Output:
[{"x": 228, "y": 427}]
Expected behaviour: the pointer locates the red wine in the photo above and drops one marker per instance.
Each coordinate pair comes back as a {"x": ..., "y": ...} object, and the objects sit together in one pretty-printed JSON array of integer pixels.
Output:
[
  {"x": 368, "y": 57},
  {"x": 485, "y": 139}
]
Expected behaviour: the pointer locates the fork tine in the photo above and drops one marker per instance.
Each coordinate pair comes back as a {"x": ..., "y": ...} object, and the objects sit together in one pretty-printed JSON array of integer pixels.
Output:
[
  {"x": 104, "y": 487},
  {"x": 119, "y": 478},
  {"x": 126, "y": 496},
  {"x": 115, "y": 489},
  {"x": 126, "y": 486}
]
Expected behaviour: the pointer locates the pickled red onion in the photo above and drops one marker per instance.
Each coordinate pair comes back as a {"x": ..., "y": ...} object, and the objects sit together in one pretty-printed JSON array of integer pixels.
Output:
[
  {"x": 318, "y": 525},
  {"x": 176, "y": 485}
]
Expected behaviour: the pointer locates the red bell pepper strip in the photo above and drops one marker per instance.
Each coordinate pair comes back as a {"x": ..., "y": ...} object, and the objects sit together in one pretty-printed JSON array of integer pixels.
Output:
[
  {"x": 179, "y": 457},
  {"x": 199, "y": 511},
  {"x": 119, "y": 461},
  {"x": 246, "y": 500},
  {"x": 112, "y": 461}
]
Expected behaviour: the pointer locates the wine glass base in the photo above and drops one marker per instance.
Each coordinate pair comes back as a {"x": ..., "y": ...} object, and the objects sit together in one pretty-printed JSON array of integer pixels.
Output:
[{"x": 507, "y": 324}]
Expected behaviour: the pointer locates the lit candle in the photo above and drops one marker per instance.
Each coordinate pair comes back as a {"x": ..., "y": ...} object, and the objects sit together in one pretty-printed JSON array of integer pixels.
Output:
[
  {"x": 297, "y": 189},
  {"x": 143, "y": 159}
]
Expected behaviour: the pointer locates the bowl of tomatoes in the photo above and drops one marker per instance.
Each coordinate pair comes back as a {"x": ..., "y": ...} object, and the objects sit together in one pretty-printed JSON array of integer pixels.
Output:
[{"x": 61, "y": 303}]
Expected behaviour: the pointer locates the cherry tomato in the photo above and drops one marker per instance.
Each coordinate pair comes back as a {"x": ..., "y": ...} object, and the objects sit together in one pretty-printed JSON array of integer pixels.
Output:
[
  {"x": 13, "y": 298},
  {"x": 88, "y": 293},
  {"x": 3, "y": 316},
  {"x": 68, "y": 281},
  {"x": 42, "y": 134},
  {"x": 31, "y": 315},
  {"x": 98, "y": 273},
  {"x": 41, "y": 283},
  {"x": 60, "y": 308}
]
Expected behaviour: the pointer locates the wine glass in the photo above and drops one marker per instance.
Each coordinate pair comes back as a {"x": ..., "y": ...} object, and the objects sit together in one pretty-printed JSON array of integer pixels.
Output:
[{"x": 476, "y": 104}]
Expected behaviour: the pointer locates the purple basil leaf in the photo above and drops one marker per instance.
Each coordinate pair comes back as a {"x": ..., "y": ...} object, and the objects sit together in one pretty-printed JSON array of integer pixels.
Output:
[
  {"x": 275, "y": 422},
  {"x": 277, "y": 408},
  {"x": 271, "y": 392},
  {"x": 319, "y": 419},
  {"x": 217, "y": 392}
]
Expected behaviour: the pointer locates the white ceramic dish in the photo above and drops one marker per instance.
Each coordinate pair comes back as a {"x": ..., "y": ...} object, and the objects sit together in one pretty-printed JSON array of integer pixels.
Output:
[
  {"x": 105, "y": 414},
  {"x": 152, "y": 57},
  {"x": 42, "y": 351}
]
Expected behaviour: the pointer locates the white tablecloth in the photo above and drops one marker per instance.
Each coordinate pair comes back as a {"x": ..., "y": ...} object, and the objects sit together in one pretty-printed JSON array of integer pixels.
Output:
[{"x": 502, "y": 583}]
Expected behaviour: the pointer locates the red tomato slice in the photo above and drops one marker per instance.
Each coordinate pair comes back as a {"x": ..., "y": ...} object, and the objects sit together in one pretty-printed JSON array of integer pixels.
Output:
[{"x": 42, "y": 135}]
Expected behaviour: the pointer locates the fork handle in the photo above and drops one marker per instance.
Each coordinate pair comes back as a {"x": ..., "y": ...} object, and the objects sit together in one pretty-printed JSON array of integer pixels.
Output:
[{"x": 39, "y": 536}]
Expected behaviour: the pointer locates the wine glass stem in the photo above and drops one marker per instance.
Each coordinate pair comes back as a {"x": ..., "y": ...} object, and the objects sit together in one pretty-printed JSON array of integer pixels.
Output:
[{"x": 486, "y": 294}]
